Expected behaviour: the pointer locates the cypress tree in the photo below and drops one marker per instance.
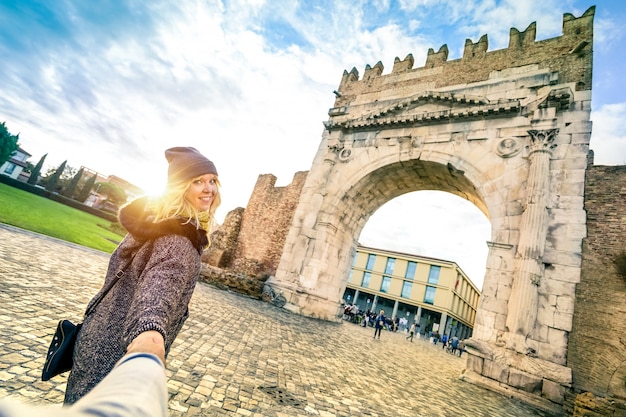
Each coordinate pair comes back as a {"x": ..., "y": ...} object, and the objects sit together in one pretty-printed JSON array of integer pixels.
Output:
[
  {"x": 71, "y": 188},
  {"x": 54, "y": 179},
  {"x": 84, "y": 192},
  {"x": 34, "y": 175}
]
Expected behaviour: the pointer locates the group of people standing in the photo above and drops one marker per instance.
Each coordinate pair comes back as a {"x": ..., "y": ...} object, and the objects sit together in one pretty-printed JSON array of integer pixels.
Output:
[
  {"x": 452, "y": 344},
  {"x": 379, "y": 321}
]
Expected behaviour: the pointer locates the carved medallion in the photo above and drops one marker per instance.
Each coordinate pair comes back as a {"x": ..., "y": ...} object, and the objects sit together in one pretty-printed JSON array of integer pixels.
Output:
[
  {"x": 345, "y": 154},
  {"x": 508, "y": 147}
]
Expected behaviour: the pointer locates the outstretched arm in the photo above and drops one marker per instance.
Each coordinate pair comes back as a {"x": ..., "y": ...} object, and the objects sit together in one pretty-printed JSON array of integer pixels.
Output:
[{"x": 135, "y": 387}]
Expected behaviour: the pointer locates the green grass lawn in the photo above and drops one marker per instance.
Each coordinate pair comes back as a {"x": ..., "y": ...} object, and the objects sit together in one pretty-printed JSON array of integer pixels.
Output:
[{"x": 38, "y": 214}]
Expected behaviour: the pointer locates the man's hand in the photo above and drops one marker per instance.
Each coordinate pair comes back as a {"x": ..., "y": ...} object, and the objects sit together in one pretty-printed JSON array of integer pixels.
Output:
[{"x": 150, "y": 341}]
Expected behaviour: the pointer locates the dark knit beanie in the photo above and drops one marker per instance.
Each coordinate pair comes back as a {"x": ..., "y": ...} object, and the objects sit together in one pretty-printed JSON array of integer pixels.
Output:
[{"x": 187, "y": 163}]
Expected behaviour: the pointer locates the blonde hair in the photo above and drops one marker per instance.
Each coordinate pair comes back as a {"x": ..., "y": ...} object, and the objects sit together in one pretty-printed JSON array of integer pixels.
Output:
[{"x": 173, "y": 204}]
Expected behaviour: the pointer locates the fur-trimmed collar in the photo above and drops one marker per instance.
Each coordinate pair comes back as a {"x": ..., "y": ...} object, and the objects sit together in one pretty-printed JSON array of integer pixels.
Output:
[{"x": 136, "y": 220}]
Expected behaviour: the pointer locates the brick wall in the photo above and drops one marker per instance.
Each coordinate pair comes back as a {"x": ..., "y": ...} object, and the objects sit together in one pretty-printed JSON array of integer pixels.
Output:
[
  {"x": 597, "y": 344},
  {"x": 252, "y": 242}
]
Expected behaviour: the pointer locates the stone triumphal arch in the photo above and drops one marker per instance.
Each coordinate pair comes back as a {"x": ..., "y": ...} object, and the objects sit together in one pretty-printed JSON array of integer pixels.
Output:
[{"x": 509, "y": 131}]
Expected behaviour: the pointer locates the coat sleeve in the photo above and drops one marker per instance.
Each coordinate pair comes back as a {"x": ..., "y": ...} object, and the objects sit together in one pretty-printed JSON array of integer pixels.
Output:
[{"x": 164, "y": 288}]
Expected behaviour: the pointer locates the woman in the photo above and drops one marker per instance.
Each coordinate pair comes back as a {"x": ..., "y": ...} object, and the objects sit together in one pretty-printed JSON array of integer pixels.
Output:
[
  {"x": 380, "y": 322},
  {"x": 160, "y": 260}
]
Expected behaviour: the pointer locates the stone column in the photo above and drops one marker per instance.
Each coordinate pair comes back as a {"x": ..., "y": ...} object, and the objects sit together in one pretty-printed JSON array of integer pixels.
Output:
[
  {"x": 418, "y": 315},
  {"x": 356, "y": 296},
  {"x": 529, "y": 268},
  {"x": 395, "y": 309},
  {"x": 442, "y": 323}
]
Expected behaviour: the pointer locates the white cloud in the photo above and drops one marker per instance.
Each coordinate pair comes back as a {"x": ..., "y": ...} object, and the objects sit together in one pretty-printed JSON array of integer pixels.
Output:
[
  {"x": 608, "y": 137},
  {"x": 433, "y": 224},
  {"x": 249, "y": 83}
]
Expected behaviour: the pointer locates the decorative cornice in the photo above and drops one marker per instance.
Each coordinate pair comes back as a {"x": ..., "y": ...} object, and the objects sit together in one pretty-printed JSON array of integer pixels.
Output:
[{"x": 393, "y": 114}]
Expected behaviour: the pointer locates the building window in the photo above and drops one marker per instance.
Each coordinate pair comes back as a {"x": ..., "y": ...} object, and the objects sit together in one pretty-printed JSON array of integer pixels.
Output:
[
  {"x": 410, "y": 270},
  {"x": 406, "y": 289},
  {"x": 429, "y": 297},
  {"x": 433, "y": 275},
  {"x": 391, "y": 263},
  {"x": 370, "y": 262},
  {"x": 384, "y": 287},
  {"x": 366, "y": 279},
  {"x": 9, "y": 169}
]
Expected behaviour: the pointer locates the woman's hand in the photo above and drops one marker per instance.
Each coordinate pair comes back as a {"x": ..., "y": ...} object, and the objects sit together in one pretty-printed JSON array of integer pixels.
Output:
[{"x": 150, "y": 341}]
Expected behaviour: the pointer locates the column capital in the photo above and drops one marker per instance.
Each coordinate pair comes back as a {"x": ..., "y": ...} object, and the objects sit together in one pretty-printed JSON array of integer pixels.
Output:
[{"x": 542, "y": 140}]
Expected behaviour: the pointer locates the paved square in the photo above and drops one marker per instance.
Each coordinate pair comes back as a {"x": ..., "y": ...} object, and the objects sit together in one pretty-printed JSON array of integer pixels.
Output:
[{"x": 235, "y": 356}]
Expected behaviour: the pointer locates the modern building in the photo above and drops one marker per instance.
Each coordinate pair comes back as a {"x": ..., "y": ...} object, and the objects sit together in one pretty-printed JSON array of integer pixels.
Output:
[
  {"x": 434, "y": 293},
  {"x": 14, "y": 167}
]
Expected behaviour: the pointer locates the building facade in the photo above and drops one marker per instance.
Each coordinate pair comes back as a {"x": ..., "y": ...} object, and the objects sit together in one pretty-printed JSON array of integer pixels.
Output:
[
  {"x": 434, "y": 293},
  {"x": 14, "y": 167}
]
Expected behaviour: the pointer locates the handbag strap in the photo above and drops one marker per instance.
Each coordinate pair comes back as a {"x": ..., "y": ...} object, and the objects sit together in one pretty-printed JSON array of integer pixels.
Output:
[{"x": 120, "y": 273}]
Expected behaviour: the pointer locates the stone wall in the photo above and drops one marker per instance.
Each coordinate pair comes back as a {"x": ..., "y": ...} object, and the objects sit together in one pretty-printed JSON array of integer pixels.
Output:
[
  {"x": 251, "y": 241},
  {"x": 597, "y": 346},
  {"x": 265, "y": 223},
  {"x": 570, "y": 60},
  {"x": 224, "y": 240}
]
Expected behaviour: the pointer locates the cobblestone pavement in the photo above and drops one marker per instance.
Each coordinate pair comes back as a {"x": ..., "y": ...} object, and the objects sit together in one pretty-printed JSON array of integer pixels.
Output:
[{"x": 235, "y": 356}]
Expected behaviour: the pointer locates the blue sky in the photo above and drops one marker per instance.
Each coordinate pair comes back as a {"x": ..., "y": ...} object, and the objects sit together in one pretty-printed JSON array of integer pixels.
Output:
[{"x": 112, "y": 84}]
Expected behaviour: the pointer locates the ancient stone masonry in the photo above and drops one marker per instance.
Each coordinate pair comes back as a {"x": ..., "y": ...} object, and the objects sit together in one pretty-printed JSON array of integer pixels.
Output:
[
  {"x": 251, "y": 241},
  {"x": 529, "y": 268},
  {"x": 509, "y": 131},
  {"x": 597, "y": 348}
]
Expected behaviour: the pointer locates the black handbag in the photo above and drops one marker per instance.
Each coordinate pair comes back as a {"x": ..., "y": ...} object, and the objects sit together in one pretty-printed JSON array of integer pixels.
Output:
[{"x": 61, "y": 350}]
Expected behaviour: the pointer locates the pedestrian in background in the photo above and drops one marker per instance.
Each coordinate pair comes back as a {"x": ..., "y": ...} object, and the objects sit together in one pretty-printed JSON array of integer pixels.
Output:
[
  {"x": 411, "y": 331},
  {"x": 461, "y": 347},
  {"x": 159, "y": 260},
  {"x": 454, "y": 343},
  {"x": 379, "y": 323},
  {"x": 366, "y": 319}
]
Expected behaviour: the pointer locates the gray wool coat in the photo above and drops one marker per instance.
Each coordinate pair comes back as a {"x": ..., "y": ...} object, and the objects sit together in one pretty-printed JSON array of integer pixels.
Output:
[{"x": 153, "y": 294}]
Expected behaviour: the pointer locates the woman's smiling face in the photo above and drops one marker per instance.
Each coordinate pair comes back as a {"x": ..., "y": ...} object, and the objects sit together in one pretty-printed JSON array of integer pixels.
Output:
[{"x": 201, "y": 191}]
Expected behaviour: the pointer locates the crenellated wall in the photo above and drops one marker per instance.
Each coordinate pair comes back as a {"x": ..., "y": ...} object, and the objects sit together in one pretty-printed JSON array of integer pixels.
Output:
[{"x": 564, "y": 55}]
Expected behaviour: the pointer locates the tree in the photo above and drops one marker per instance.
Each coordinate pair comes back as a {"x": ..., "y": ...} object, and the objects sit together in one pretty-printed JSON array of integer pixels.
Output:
[
  {"x": 53, "y": 182},
  {"x": 62, "y": 181},
  {"x": 34, "y": 174},
  {"x": 84, "y": 192},
  {"x": 8, "y": 143},
  {"x": 113, "y": 193},
  {"x": 71, "y": 188}
]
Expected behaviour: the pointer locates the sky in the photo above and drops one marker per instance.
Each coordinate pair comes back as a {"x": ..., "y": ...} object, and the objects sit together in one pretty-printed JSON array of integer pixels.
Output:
[{"x": 111, "y": 84}]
